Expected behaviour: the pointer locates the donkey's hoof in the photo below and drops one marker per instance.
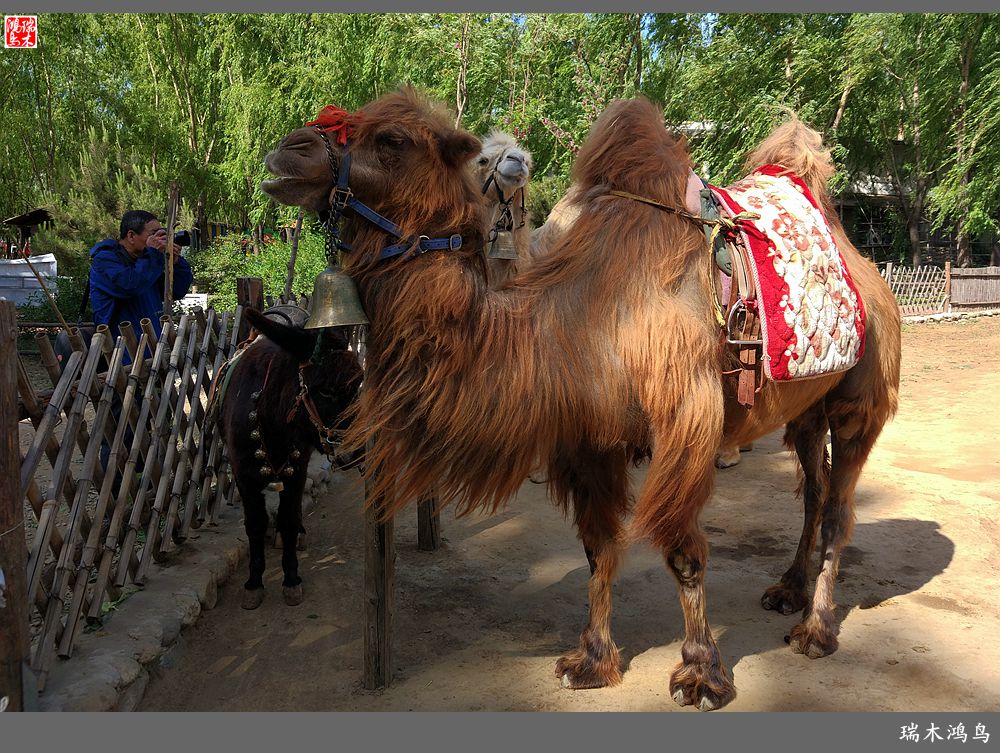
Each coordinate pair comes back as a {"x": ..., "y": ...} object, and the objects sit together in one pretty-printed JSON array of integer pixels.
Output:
[
  {"x": 783, "y": 599},
  {"x": 292, "y": 595},
  {"x": 812, "y": 639},
  {"x": 252, "y": 598},
  {"x": 707, "y": 687}
]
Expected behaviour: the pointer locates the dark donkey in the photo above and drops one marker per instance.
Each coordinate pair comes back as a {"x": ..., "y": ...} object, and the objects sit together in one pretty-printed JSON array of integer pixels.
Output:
[{"x": 279, "y": 399}]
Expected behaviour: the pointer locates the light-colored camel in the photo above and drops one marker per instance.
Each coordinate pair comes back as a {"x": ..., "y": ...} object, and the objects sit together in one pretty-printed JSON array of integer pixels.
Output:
[
  {"x": 503, "y": 169},
  {"x": 603, "y": 349}
]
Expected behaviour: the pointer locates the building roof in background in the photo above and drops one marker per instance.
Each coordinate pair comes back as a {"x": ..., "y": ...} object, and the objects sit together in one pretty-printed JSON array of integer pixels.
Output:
[{"x": 28, "y": 219}]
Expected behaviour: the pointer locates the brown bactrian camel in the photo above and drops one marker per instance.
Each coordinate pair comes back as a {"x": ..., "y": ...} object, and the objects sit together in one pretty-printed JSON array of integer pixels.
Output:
[
  {"x": 503, "y": 169},
  {"x": 604, "y": 347}
]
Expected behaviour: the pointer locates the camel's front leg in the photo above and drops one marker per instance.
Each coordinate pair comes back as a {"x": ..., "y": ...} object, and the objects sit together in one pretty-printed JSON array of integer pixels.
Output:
[
  {"x": 701, "y": 678},
  {"x": 598, "y": 484},
  {"x": 678, "y": 485}
]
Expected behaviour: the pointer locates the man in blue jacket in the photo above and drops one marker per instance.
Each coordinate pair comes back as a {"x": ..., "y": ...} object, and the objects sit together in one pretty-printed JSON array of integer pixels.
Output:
[
  {"x": 126, "y": 284},
  {"x": 126, "y": 275}
]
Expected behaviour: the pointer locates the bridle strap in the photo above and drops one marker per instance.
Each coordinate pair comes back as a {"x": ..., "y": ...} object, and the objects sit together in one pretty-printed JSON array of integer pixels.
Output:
[
  {"x": 342, "y": 199},
  {"x": 506, "y": 218}
]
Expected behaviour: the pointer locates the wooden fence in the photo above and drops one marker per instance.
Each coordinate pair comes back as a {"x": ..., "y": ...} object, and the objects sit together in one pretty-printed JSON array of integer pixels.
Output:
[
  {"x": 91, "y": 535},
  {"x": 918, "y": 290},
  {"x": 931, "y": 290},
  {"x": 975, "y": 288}
]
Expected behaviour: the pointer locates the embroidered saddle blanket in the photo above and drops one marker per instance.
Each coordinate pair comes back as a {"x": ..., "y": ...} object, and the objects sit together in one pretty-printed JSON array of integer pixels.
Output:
[{"x": 812, "y": 318}]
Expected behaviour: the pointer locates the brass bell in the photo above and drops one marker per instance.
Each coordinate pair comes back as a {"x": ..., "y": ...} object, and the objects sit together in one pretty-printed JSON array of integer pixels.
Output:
[
  {"x": 260, "y": 454},
  {"x": 335, "y": 300},
  {"x": 295, "y": 454},
  {"x": 252, "y": 415},
  {"x": 289, "y": 471},
  {"x": 502, "y": 246},
  {"x": 265, "y": 470},
  {"x": 255, "y": 434}
]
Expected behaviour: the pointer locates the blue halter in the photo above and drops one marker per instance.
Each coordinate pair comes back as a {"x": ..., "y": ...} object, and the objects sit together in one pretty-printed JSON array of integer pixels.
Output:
[{"x": 343, "y": 198}]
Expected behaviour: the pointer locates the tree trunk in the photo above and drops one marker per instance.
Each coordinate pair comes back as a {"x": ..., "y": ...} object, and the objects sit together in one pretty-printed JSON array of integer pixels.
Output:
[
  {"x": 842, "y": 107},
  {"x": 964, "y": 255},
  {"x": 920, "y": 184},
  {"x": 461, "y": 93},
  {"x": 201, "y": 221},
  {"x": 913, "y": 230},
  {"x": 637, "y": 40}
]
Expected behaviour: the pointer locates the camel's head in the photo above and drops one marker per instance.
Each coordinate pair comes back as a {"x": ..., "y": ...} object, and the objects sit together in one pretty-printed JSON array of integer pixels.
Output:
[
  {"x": 502, "y": 157},
  {"x": 408, "y": 163}
]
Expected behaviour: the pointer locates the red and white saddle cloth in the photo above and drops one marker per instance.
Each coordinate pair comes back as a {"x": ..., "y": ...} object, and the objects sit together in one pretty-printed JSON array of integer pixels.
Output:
[{"x": 812, "y": 319}]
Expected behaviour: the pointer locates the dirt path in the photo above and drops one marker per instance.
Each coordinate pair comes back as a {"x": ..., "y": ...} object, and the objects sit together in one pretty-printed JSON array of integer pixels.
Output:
[{"x": 480, "y": 623}]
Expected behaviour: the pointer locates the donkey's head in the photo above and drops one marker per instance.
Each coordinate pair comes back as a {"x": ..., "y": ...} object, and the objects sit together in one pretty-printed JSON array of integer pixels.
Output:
[{"x": 329, "y": 371}]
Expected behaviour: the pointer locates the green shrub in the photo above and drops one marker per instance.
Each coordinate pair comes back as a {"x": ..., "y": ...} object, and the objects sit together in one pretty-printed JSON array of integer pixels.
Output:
[{"x": 217, "y": 267}]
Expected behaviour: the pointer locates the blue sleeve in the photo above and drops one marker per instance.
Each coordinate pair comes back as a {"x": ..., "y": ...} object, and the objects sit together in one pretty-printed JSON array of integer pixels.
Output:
[
  {"x": 123, "y": 280},
  {"x": 183, "y": 275}
]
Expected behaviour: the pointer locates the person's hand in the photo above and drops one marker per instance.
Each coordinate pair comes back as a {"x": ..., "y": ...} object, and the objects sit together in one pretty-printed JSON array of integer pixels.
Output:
[{"x": 158, "y": 240}]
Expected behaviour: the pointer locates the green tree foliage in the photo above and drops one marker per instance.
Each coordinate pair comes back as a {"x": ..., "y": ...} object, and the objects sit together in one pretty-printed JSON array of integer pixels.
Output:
[{"x": 110, "y": 108}]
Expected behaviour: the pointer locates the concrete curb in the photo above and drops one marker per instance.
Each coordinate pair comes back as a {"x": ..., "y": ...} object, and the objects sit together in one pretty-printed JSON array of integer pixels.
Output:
[{"x": 109, "y": 669}]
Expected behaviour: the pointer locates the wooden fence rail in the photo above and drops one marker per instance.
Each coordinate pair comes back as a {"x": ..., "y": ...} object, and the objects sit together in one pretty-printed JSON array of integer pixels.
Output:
[
  {"x": 91, "y": 532},
  {"x": 930, "y": 290}
]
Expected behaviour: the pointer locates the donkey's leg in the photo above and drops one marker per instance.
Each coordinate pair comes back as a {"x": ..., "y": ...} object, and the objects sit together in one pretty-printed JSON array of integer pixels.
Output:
[
  {"x": 255, "y": 522},
  {"x": 598, "y": 485},
  {"x": 807, "y": 435},
  {"x": 853, "y": 439},
  {"x": 289, "y": 523}
]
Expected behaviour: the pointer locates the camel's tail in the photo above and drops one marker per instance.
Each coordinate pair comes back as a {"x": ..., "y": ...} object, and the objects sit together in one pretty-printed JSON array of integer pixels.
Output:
[{"x": 798, "y": 147}]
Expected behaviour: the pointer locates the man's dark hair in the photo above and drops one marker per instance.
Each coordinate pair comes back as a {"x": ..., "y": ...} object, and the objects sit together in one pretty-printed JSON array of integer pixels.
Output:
[{"x": 134, "y": 220}]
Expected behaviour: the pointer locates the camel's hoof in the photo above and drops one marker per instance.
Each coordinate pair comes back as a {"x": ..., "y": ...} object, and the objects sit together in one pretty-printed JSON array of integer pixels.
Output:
[
  {"x": 727, "y": 459},
  {"x": 252, "y": 598},
  {"x": 705, "y": 687},
  {"x": 815, "y": 642},
  {"x": 783, "y": 599},
  {"x": 292, "y": 595},
  {"x": 579, "y": 671}
]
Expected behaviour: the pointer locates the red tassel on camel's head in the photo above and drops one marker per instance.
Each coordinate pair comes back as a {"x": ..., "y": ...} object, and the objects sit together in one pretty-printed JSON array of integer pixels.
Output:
[{"x": 332, "y": 118}]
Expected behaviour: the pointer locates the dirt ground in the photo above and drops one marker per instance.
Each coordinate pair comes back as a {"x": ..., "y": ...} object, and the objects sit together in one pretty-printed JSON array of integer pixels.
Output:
[{"x": 480, "y": 623}]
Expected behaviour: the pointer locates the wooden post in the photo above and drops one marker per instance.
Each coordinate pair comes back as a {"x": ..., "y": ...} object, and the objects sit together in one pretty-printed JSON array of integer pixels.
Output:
[
  {"x": 168, "y": 276},
  {"x": 946, "y": 306},
  {"x": 295, "y": 252},
  {"x": 888, "y": 273},
  {"x": 428, "y": 525},
  {"x": 14, "y": 633},
  {"x": 249, "y": 294},
  {"x": 380, "y": 571}
]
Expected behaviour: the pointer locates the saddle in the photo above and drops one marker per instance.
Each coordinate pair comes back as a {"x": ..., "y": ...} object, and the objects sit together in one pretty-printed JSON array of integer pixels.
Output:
[{"x": 791, "y": 308}]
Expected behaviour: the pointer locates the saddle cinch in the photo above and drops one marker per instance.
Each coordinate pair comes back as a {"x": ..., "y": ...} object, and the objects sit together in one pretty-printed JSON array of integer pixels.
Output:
[
  {"x": 740, "y": 322},
  {"x": 792, "y": 310}
]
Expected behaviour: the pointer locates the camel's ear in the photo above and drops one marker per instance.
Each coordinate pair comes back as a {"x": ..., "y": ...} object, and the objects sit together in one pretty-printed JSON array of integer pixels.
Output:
[{"x": 458, "y": 147}]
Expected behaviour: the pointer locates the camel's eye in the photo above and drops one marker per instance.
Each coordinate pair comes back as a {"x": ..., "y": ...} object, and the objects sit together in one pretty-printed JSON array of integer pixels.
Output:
[
  {"x": 483, "y": 160},
  {"x": 391, "y": 140}
]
